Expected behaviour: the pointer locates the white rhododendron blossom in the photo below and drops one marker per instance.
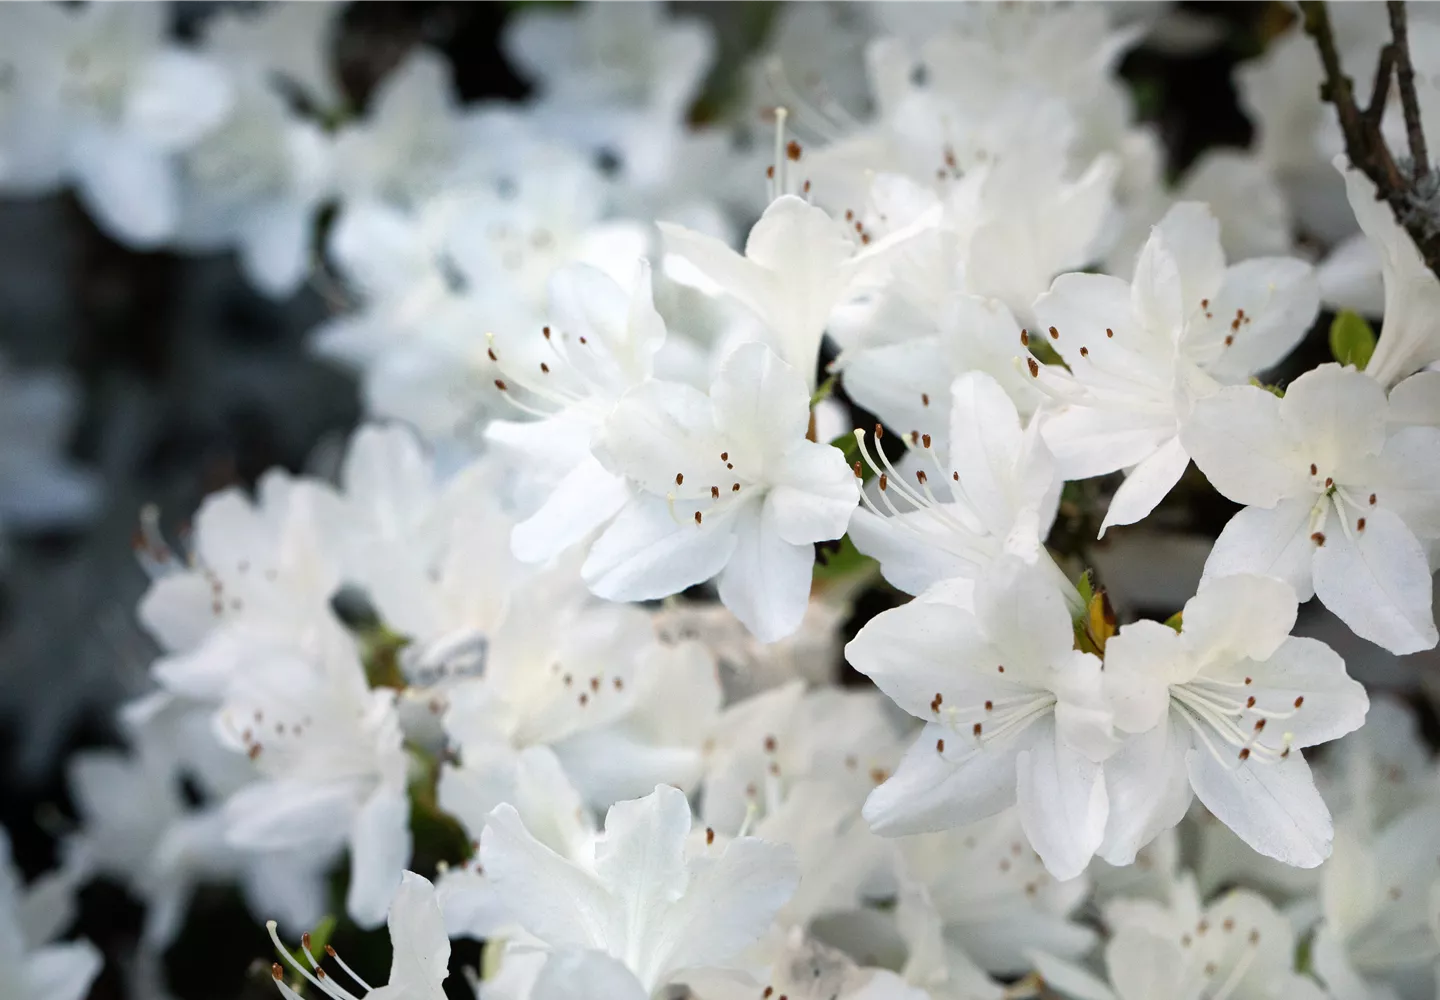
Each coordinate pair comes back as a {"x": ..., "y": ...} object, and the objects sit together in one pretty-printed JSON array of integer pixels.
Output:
[{"x": 753, "y": 550}]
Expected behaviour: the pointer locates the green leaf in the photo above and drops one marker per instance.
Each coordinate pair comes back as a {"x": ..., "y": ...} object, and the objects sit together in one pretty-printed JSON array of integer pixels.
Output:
[
  {"x": 1176, "y": 621},
  {"x": 1086, "y": 586},
  {"x": 841, "y": 560},
  {"x": 1352, "y": 342},
  {"x": 824, "y": 390}
]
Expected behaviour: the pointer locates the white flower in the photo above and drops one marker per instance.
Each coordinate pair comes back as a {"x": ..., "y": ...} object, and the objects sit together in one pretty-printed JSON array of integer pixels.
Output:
[
  {"x": 547, "y": 804},
  {"x": 420, "y": 951},
  {"x": 601, "y": 342},
  {"x": 333, "y": 771},
  {"x": 726, "y": 485},
  {"x": 257, "y": 182},
  {"x": 1376, "y": 898},
  {"x": 1410, "y": 337},
  {"x": 1140, "y": 353},
  {"x": 997, "y": 492},
  {"x": 1013, "y": 713},
  {"x": 257, "y": 574},
  {"x": 648, "y": 911},
  {"x": 799, "y": 264},
  {"x": 139, "y": 829},
  {"x": 36, "y": 969},
  {"x": 1224, "y": 707},
  {"x": 1238, "y": 948},
  {"x": 1339, "y": 503},
  {"x": 993, "y": 897},
  {"x": 291, "y": 41},
  {"x": 121, "y": 101}
]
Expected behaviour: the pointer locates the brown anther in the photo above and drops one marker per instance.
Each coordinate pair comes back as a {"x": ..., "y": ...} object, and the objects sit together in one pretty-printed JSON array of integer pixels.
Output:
[
  {"x": 940, "y": 746},
  {"x": 567, "y": 680},
  {"x": 724, "y": 456},
  {"x": 925, "y": 401},
  {"x": 1001, "y": 668},
  {"x": 698, "y": 518},
  {"x": 254, "y": 751},
  {"x": 1054, "y": 334},
  {"x": 735, "y": 487},
  {"x": 330, "y": 950},
  {"x": 584, "y": 341},
  {"x": 1372, "y": 499},
  {"x": 858, "y": 473},
  {"x": 1329, "y": 481},
  {"x": 1204, "y": 303},
  {"x": 879, "y": 432},
  {"x": 920, "y": 476},
  {"x": 1084, "y": 352},
  {"x": 1024, "y": 338},
  {"x": 925, "y": 440},
  {"x": 955, "y": 476},
  {"x": 1034, "y": 367},
  {"x": 491, "y": 352},
  {"x": 792, "y": 150},
  {"x": 989, "y": 705},
  {"x": 305, "y": 940},
  {"x": 977, "y": 729},
  {"x": 595, "y": 684},
  {"x": 709, "y": 836},
  {"x": 1229, "y": 339},
  {"x": 546, "y": 331},
  {"x": 884, "y": 481},
  {"x": 1318, "y": 538},
  {"x": 1250, "y": 702},
  {"x": 770, "y": 172},
  {"x": 770, "y": 744},
  {"x": 1299, "y": 700},
  {"x": 1360, "y": 524},
  {"x": 679, "y": 478},
  {"x": 319, "y": 973},
  {"x": 500, "y": 384},
  {"x": 276, "y": 971},
  {"x": 1109, "y": 332},
  {"x": 619, "y": 684},
  {"x": 544, "y": 368},
  {"x": 849, "y": 215},
  {"x": 1244, "y": 753},
  {"x": 714, "y": 493},
  {"x": 1314, "y": 469},
  {"x": 584, "y": 699},
  {"x": 1248, "y": 681},
  {"x": 1228, "y": 925},
  {"x": 936, "y": 701},
  {"x": 1259, "y": 725}
]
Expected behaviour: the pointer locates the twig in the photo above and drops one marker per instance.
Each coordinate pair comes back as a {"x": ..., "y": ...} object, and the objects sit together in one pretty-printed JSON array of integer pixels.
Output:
[
  {"x": 1405, "y": 75},
  {"x": 1365, "y": 145}
]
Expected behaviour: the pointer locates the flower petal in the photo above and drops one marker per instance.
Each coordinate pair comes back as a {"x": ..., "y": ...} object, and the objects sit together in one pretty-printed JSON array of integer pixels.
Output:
[
  {"x": 1147, "y": 484},
  {"x": 1274, "y": 542},
  {"x": 1063, "y": 804},
  {"x": 766, "y": 581},
  {"x": 1377, "y": 581},
  {"x": 1273, "y": 807},
  {"x": 933, "y": 790}
]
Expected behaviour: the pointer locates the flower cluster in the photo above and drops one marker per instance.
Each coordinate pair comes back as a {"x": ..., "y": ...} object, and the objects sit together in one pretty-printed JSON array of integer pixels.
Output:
[{"x": 597, "y": 547}]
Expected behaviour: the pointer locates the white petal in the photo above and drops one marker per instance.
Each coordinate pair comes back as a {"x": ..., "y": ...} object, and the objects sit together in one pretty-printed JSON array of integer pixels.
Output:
[
  {"x": 647, "y": 552},
  {"x": 1093, "y": 311},
  {"x": 728, "y": 905},
  {"x": 1378, "y": 582},
  {"x": 935, "y": 790},
  {"x": 1141, "y": 662},
  {"x": 1334, "y": 703},
  {"x": 1240, "y": 442},
  {"x": 1417, "y": 400},
  {"x": 177, "y": 97},
  {"x": 909, "y": 560},
  {"x": 813, "y": 495},
  {"x": 1147, "y": 484},
  {"x": 1273, "y": 807},
  {"x": 1243, "y": 615},
  {"x": 985, "y": 441},
  {"x": 128, "y": 186},
  {"x": 1144, "y": 963},
  {"x": 585, "y": 499},
  {"x": 661, "y": 430},
  {"x": 906, "y": 385},
  {"x": 379, "y": 852},
  {"x": 1148, "y": 789},
  {"x": 1274, "y": 542},
  {"x": 582, "y": 975},
  {"x": 274, "y": 244},
  {"x": 1069, "y": 980},
  {"x": 59, "y": 972},
  {"x": 1280, "y": 298},
  {"x": 621, "y": 328},
  {"x": 759, "y": 399},
  {"x": 1024, "y": 613},
  {"x": 1088, "y": 441},
  {"x": 1337, "y": 413},
  {"x": 911, "y": 653},
  {"x": 550, "y": 897},
  {"x": 1063, "y": 804},
  {"x": 1409, "y": 477},
  {"x": 745, "y": 280},
  {"x": 421, "y": 949},
  {"x": 1157, "y": 292},
  {"x": 1191, "y": 236},
  {"x": 766, "y": 581}
]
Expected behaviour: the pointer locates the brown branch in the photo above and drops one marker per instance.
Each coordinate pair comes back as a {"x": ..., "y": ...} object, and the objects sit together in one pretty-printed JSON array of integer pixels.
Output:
[
  {"x": 1365, "y": 145},
  {"x": 1405, "y": 75}
]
